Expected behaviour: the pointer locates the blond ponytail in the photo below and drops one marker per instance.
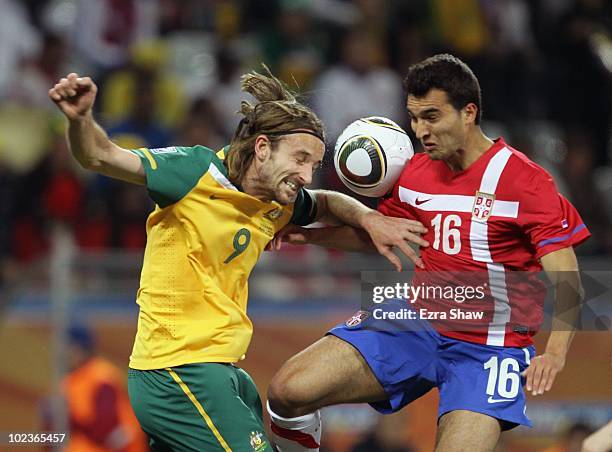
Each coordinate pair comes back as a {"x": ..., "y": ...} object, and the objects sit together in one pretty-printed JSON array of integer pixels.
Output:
[{"x": 276, "y": 111}]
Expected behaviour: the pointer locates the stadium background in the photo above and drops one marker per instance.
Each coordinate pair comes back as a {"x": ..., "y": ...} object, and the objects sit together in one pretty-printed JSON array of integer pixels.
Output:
[{"x": 71, "y": 243}]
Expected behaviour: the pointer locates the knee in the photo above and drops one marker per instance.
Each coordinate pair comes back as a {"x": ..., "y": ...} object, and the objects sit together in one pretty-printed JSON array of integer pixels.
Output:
[{"x": 286, "y": 396}]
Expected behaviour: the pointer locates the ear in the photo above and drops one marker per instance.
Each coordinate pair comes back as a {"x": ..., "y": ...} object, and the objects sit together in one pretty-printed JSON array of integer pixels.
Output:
[
  {"x": 262, "y": 147},
  {"x": 470, "y": 112}
]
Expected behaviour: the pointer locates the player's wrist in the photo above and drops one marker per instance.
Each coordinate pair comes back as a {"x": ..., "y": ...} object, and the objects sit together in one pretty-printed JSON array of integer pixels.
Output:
[
  {"x": 81, "y": 118},
  {"x": 366, "y": 219},
  {"x": 557, "y": 353}
]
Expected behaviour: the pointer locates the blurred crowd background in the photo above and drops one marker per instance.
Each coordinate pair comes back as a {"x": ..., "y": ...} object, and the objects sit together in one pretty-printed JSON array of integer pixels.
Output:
[{"x": 168, "y": 74}]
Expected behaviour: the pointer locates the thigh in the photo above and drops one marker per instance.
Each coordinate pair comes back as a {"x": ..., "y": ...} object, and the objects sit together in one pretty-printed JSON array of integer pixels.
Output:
[
  {"x": 329, "y": 372},
  {"x": 196, "y": 407},
  {"x": 401, "y": 352},
  {"x": 362, "y": 360},
  {"x": 494, "y": 373},
  {"x": 463, "y": 430}
]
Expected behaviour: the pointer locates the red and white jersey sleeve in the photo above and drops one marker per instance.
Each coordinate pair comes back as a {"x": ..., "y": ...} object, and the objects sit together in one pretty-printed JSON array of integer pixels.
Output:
[{"x": 549, "y": 220}]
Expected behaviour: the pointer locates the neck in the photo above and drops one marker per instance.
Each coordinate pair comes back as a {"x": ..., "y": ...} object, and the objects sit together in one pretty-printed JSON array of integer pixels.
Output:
[
  {"x": 476, "y": 144},
  {"x": 252, "y": 184}
]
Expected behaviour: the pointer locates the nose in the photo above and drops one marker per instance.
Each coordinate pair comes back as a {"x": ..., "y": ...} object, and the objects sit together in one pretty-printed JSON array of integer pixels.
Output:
[
  {"x": 306, "y": 175},
  {"x": 421, "y": 131}
]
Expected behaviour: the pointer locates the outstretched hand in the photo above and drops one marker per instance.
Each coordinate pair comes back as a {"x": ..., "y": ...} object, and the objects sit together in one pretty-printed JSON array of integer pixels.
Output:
[
  {"x": 388, "y": 233},
  {"x": 542, "y": 372},
  {"x": 74, "y": 95}
]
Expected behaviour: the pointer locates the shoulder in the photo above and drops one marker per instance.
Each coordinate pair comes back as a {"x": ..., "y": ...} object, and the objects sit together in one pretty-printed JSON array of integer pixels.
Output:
[
  {"x": 526, "y": 181},
  {"x": 174, "y": 171},
  {"x": 176, "y": 162},
  {"x": 192, "y": 153},
  {"x": 418, "y": 173},
  {"x": 418, "y": 162},
  {"x": 197, "y": 151},
  {"x": 419, "y": 158},
  {"x": 524, "y": 170}
]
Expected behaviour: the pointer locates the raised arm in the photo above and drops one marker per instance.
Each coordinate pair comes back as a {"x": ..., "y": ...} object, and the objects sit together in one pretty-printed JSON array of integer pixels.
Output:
[
  {"x": 562, "y": 269},
  {"x": 89, "y": 143}
]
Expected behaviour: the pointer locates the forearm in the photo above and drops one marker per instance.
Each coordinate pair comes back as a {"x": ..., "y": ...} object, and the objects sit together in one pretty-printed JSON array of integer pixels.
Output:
[
  {"x": 345, "y": 238},
  {"x": 559, "y": 342},
  {"x": 88, "y": 142},
  {"x": 568, "y": 300},
  {"x": 338, "y": 209},
  {"x": 561, "y": 266}
]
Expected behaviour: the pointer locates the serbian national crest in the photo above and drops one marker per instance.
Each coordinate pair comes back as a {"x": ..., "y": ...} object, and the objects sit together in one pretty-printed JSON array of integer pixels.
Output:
[
  {"x": 257, "y": 441},
  {"x": 356, "y": 320},
  {"x": 483, "y": 206}
]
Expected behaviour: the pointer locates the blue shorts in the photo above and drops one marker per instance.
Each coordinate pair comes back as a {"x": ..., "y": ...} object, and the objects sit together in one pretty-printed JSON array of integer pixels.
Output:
[{"x": 409, "y": 357}]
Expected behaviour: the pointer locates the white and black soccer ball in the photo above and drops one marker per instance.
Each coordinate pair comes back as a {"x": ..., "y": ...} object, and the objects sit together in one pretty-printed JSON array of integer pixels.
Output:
[{"x": 370, "y": 155}]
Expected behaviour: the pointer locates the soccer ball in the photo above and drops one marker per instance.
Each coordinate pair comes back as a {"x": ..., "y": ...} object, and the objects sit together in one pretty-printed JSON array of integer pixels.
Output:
[{"x": 370, "y": 155}]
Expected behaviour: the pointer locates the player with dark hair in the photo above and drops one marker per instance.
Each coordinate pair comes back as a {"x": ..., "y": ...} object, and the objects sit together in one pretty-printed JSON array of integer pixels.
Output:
[
  {"x": 490, "y": 212},
  {"x": 215, "y": 213},
  {"x": 449, "y": 74}
]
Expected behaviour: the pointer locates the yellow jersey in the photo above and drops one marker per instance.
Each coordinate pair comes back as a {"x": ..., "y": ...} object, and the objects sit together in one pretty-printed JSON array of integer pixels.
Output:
[{"x": 203, "y": 239}]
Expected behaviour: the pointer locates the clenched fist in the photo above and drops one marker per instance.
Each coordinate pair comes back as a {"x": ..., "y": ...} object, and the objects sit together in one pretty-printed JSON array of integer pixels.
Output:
[{"x": 74, "y": 95}]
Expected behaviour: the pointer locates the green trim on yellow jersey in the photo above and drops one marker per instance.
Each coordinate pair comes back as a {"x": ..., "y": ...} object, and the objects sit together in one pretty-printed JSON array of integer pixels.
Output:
[{"x": 173, "y": 172}]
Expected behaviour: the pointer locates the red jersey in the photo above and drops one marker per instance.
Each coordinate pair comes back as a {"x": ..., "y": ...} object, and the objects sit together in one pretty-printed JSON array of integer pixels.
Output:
[{"x": 497, "y": 217}]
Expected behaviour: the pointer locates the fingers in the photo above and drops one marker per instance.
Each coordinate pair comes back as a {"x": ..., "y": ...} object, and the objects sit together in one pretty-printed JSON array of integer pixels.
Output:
[
  {"x": 391, "y": 257},
  {"x": 398, "y": 224},
  {"x": 273, "y": 245},
  {"x": 280, "y": 237},
  {"x": 541, "y": 374},
  {"x": 417, "y": 240},
  {"x": 84, "y": 82},
  {"x": 410, "y": 230},
  {"x": 61, "y": 91},
  {"x": 296, "y": 238},
  {"x": 529, "y": 375},
  {"x": 405, "y": 225},
  {"x": 411, "y": 254},
  {"x": 54, "y": 95},
  {"x": 540, "y": 377},
  {"x": 69, "y": 86},
  {"x": 537, "y": 376},
  {"x": 277, "y": 242},
  {"x": 539, "y": 389},
  {"x": 415, "y": 226},
  {"x": 550, "y": 379},
  {"x": 291, "y": 234}
]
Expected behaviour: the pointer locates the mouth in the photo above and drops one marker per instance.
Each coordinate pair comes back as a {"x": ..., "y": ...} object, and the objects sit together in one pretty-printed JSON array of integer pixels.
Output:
[
  {"x": 292, "y": 185},
  {"x": 429, "y": 146}
]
